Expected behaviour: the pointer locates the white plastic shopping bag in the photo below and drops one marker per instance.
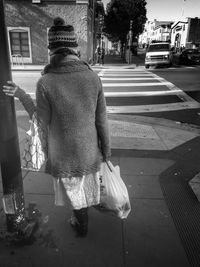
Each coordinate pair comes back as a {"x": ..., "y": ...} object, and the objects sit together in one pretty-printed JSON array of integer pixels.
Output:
[
  {"x": 114, "y": 195},
  {"x": 33, "y": 157}
]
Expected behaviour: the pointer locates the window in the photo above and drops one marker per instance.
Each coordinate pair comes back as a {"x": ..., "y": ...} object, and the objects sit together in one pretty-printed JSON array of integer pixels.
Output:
[
  {"x": 159, "y": 47},
  {"x": 20, "y": 43}
]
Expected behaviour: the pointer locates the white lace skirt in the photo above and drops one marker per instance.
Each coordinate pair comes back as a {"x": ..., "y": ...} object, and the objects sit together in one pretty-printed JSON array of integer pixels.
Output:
[{"x": 82, "y": 192}]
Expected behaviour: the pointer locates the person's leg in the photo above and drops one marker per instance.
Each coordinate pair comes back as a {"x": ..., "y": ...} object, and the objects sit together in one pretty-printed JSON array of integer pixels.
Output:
[
  {"x": 81, "y": 223},
  {"x": 76, "y": 195},
  {"x": 83, "y": 192}
]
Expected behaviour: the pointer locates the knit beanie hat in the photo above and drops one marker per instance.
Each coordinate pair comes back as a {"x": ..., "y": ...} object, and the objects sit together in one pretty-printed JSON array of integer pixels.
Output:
[{"x": 61, "y": 35}]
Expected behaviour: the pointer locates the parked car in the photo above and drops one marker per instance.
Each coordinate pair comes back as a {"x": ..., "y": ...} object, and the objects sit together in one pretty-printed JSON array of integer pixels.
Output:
[
  {"x": 158, "y": 54},
  {"x": 189, "y": 57}
]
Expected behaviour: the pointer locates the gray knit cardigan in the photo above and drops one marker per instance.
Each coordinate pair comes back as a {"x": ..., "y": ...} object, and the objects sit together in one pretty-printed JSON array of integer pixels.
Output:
[{"x": 71, "y": 107}]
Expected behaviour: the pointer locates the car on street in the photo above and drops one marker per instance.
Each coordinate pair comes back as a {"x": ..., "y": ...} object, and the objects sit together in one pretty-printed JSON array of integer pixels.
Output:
[
  {"x": 189, "y": 57},
  {"x": 158, "y": 54}
]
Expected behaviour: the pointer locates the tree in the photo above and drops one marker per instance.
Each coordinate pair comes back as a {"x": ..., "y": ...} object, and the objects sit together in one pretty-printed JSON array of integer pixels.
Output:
[{"x": 119, "y": 13}]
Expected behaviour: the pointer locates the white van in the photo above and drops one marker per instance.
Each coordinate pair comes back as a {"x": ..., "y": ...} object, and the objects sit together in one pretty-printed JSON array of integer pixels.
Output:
[{"x": 158, "y": 54}]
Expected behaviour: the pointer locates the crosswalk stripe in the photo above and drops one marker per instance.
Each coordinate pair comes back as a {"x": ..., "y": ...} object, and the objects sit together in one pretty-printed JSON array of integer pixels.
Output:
[
  {"x": 143, "y": 93},
  {"x": 134, "y": 84},
  {"x": 120, "y": 70},
  {"x": 127, "y": 79},
  {"x": 185, "y": 97},
  {"x": 187, "y": 101},
  {"x": 125, "y": 75}
]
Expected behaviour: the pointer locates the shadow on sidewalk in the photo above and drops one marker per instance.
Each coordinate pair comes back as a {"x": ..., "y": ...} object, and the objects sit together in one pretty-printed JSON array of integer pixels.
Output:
[
  {"x": 114, "y": 59},
  {"x": 138, "y": 59}
]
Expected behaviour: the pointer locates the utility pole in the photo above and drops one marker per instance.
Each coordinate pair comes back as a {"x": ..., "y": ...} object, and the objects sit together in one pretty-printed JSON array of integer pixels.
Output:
[
  {"x": 10, "y": 165},
  {"x": 183, "y": 9},
  {"x": 130, "y": 42}
]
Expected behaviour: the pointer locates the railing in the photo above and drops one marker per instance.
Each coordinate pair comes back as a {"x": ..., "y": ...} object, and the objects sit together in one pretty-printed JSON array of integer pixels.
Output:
[{"x": 17, "y": 60}]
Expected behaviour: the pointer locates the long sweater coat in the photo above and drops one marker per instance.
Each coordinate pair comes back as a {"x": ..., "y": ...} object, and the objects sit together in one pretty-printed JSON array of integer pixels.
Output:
[{"x": 71, "y": 107}]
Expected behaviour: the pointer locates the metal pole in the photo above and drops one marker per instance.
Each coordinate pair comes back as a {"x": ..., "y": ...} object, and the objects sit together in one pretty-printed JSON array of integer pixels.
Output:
[
  {"x": 130, "y": 42},
  {"x": 13, "y": 196}
]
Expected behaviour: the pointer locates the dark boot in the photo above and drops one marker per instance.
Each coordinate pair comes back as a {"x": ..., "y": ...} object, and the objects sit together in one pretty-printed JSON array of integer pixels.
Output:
[{"x": 81, "y": 226}]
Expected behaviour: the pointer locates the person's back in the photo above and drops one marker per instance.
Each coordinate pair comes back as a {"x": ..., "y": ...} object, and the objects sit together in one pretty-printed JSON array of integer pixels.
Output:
[{"x": 72, "y": 92}]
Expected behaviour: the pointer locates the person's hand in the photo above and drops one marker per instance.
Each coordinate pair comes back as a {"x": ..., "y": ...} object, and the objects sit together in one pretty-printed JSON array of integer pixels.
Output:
[{"x": 11, "y": 89}]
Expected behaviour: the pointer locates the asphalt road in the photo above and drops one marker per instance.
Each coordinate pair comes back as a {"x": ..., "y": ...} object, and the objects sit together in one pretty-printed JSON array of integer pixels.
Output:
[{"x": 187, "y": 78}]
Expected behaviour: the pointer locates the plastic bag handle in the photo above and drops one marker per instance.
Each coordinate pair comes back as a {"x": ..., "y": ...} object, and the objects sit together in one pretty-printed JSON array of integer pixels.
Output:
[{"x": 108, "y": 166}]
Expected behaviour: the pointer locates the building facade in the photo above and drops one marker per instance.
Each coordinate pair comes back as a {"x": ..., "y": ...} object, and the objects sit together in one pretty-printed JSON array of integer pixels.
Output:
[
  {"x": 156, "y": 31},
  {"x": 28, "y": 22},
  {"x": 186, "y": 34}
]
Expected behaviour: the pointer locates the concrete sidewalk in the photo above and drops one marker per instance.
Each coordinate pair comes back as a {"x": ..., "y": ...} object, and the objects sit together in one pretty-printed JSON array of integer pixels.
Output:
[
  {"x": 110, "y": 61},
  {"x": 145, "y": 149}
]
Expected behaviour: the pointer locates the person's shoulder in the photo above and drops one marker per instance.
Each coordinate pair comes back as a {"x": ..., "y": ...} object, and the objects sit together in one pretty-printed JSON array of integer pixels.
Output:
[
  {"x": 90, "y": 70},
  {"x": 41, "y": 81}
]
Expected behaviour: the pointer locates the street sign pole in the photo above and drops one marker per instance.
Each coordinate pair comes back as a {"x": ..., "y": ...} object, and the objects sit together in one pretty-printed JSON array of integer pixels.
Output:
[{"x": 10, "y": 165}]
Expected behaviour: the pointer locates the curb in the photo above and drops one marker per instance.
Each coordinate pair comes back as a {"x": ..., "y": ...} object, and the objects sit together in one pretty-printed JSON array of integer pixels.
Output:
[{"x": 25, "y": 69}]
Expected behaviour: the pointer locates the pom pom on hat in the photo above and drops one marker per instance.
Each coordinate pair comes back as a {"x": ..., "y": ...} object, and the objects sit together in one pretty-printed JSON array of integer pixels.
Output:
[
  {"x": 58, "y": 21},
  {"x": 61, "y": 35}
]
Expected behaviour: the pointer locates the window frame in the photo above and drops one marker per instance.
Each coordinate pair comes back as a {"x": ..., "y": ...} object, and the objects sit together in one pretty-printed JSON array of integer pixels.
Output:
[{"x": 20, "y": 29}]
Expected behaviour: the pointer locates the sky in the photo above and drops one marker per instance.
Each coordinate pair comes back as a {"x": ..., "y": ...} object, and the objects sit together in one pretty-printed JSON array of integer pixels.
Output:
[{"x": 171, "y": 10}]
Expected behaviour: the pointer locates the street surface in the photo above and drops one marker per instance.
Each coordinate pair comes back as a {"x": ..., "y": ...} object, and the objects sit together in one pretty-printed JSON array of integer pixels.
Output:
[
  {"x": 186, "y": 78},
  {"x": 171, "y": 93}
]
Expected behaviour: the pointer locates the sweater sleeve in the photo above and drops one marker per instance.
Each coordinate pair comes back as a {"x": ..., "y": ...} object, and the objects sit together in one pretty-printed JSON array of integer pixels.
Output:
[
  {"x": 102, "y": 125},
  {"x": 26, "y": 101},
  {"x": 43, "y": 115},
  {"x": 43, "y": 105}
]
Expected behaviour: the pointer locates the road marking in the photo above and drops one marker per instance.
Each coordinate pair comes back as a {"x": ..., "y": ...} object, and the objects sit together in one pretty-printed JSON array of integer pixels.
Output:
[
  {"x": 184, "y": 97},
  {"x": 120, "y": 70},
  {"x": 134, "y": 75},
  {"x": 126, "y": 75},
  {"x": 127, "y": 79},
  {"x": 143, "y": 93},
  {"x": 134, "y": 84},
  {"x": 188, "y": 102}
]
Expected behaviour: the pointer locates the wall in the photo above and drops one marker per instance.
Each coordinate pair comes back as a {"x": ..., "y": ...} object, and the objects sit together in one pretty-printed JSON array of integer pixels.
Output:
[
  {"x": 40, "y": 17},
  {"x": 180, "y": 28},
  {"x": 194, "y": 32}
]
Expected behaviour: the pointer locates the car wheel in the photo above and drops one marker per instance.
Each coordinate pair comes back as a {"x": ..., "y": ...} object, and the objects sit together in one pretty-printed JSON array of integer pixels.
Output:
[{"x": 146, "y": 66}]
